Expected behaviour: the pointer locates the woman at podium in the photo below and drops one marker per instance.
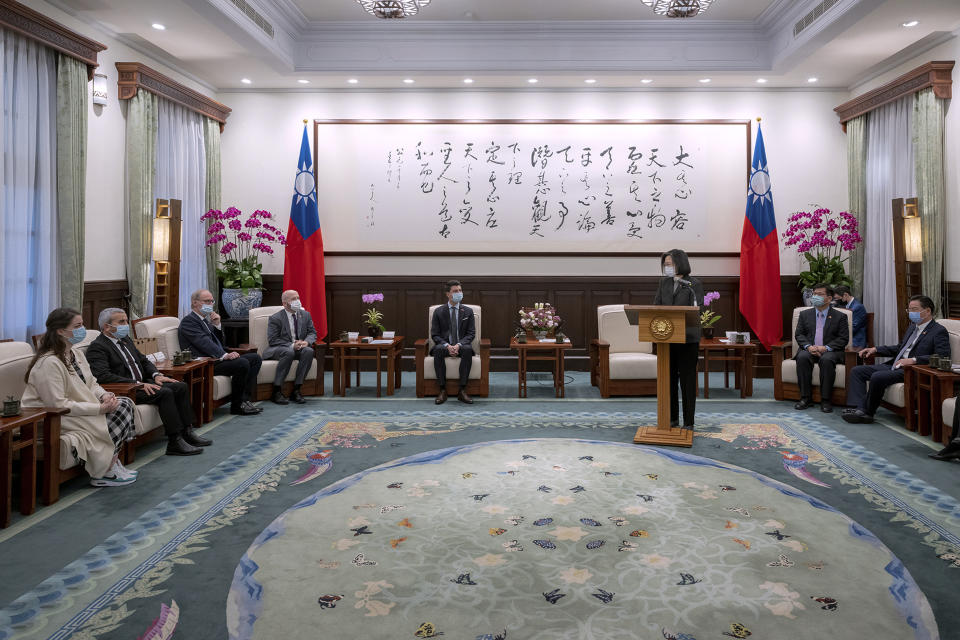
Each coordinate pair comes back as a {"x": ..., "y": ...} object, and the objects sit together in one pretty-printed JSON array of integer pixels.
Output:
[{"x": 678, "y": 288}]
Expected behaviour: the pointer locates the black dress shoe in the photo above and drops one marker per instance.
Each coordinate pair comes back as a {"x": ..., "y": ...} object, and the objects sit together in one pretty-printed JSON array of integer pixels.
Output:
[
  {"x": 464, "y": 397},
  {"x": 826, "y": 407},
  {"x": 803, "y": 404},
  {"x": 856, "y": 417},
  {"x": 245, "y": 409},
  {"x": 441, "y": 397},
  {"x": 279, "y": 398},
  {"x": 191, "y": 436},
  {"x": 949, "y": 452},
  {"x": 249, "y": 406},
  {"x": 297, "y": 397},
  {"x": 177, "y": 446}
]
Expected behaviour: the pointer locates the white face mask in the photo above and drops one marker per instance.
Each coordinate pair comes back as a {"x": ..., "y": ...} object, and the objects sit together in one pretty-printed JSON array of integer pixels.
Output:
[
  {"x": 669, "y": 271},
  {"x": 295, "y": 305}
]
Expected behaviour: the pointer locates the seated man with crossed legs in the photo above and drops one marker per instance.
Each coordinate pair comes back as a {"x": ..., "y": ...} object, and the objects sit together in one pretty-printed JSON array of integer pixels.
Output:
[{"x": 453, "y": 328}]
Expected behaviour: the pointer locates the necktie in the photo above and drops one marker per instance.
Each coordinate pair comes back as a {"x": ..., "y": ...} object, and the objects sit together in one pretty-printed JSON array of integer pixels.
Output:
[
  {"x": 821, "y": 320},
  {"x": 296, "y": 328},
  {"x": 908, "y": 345},
  {"x": 131, "y": 363},
  {"x": 454, "y": 329}
]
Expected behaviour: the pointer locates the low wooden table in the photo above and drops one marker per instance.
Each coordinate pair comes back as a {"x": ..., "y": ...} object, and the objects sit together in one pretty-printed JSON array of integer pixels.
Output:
[
  {"x": 925, "y": 389},
  {"x": 198, "y": 376},
  {"x": 344, "y": 352},
  {"x": 743, "y": 355},
  {"x": 31, "y": 423},
  {"x": 545, "y": 351}
]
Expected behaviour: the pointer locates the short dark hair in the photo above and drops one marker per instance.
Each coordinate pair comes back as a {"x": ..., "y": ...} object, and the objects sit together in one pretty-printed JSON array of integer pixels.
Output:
[
  {"x": 681, "y": 263},
  {"x": 450, "y": 285},
  {"x": 841, "y": 290},
  {"x": 824, "y": 285},
  {"x": 925, "y": 301}
]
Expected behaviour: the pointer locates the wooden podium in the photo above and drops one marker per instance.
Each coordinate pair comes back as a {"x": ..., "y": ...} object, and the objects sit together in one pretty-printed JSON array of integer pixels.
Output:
[{"x": 663, "y": 325}]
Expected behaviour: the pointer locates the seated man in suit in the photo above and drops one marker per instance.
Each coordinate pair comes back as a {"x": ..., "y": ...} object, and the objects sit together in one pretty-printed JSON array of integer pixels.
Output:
[
  {"x": 290, "y": 333},
  {"x": 822, "y": 336},
  {"x": 114, "y": 358},
  {"x": 842, "y": 298},
  {"x": 453, "y": 329},
  {"x": 201, "y": 335},
  {"x": 923, "y": 338},
  {"x": 952, "y": 450}
]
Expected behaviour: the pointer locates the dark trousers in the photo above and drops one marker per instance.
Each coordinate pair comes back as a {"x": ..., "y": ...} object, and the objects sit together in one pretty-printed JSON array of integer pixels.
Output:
[
  {"x": 243, "y": 371},
  {"x": 440, "y": 364},
  {"x": 880, "y": 376},
  {"x": 285, "y": 357},
  {"x": 683, "y": 372},
  {"x": 828, "y": 362},
  {"x": 173, "y": 403}
]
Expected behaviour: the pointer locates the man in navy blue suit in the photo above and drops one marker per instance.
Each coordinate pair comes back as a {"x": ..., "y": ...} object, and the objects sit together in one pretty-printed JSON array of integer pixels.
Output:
[
  {"x": 201, "y": 335},
  {"x": 924, "y": 338},
  {"x": 453, "y": 328},
  {"x": 842, "y": 298}
]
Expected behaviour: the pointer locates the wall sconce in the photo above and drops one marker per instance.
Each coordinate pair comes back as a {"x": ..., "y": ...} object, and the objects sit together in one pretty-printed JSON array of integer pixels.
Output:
[
  {"x": 166, "y": 257},
  {"x": 912, "y": 233},
  {"x": 99, "y": 88}
]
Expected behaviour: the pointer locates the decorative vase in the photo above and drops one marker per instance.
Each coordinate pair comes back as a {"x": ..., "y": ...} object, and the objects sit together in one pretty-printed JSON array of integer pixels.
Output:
[
  {"x": 236, "y": 304},
  {"x": 374, "y": 332},
  {"x": 539, "y": 334},
  {"x": 807, "y": 294},
  {"x": 707, "y": 332}
]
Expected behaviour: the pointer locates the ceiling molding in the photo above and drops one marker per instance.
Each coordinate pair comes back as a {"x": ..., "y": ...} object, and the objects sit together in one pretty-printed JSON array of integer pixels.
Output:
[
  {"x": 547, "y": 90},
  {"x": 935, "y": 74},
  {"x": 51, "y": 34},
  {"x": 135, "y": 75},
  {"x": 905, "y": 55}
]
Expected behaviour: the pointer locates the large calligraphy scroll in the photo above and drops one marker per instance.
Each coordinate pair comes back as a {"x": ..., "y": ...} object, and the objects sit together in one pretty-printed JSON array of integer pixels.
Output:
[{"x": 532, "y": 186}]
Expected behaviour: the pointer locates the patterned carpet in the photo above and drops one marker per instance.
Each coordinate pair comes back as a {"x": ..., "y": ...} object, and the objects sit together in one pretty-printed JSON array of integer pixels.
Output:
[{"x": 183, "y": 553}]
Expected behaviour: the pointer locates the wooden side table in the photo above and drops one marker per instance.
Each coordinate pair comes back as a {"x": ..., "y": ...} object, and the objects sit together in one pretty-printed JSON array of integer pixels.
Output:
[
  {"x": 743, "y": 355},
  {"x": 925, "y": 389},
  {"x": 544, "y": 351},
  {"x": 29, "y": 425},
  {"x": 344, "y": 352},
  {"x": 198, "y": 376}
]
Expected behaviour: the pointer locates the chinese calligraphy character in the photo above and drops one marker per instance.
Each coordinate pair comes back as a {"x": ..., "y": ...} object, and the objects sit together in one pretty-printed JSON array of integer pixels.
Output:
[{"x": 681, "y": 158}]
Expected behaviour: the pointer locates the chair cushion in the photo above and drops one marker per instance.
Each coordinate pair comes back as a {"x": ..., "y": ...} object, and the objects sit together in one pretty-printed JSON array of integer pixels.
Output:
[
  {"x": 949, "y": 406},
  {"x": 269, "y": 369},
  {"x": 612, "y": 326},
  {"x": 476, "y": 339},
  {"x": 151, "y": 327},
  {"x": 789, "y": 371},
  {"x": 12, "y": 370},
  {"x": 168, "y": 341},
  {"x": 221, "y": 387},
  {"x": 633, "y": 366},
  {"x": 953, "y": 326},
  {"x": 796, "y": 319},
  {"x": 259, "y": 318},
  {"x": 895, "y": 395},
  {"x": 147, "y": 419},
  {"x": 453, "y": 368},
  {"x": 92, "y": 334},
  {"x": 13, "y": 349}
]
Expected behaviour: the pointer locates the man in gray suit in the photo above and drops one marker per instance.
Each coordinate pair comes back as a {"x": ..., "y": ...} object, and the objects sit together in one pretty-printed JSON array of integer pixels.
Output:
[{"x": 290, "y": 333}]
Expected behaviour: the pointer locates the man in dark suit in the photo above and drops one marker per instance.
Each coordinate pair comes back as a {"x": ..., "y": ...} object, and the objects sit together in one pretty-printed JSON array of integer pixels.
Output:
[
  {"x": 842, "y": 298},
  {"x": 453, "y": 328},
  {"x": 924, "y": 338},
  {"x": 290, "y": 333},
  {"x": 114, "y": 358},
  {"x": 822, "y": 335},
  {"x": 201, "y": 335},
  {"x": 952, "y": 450}
]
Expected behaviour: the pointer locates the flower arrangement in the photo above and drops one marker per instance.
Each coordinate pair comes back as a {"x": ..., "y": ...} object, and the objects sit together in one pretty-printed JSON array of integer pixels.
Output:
[
  {"x": 373, "y": 318},
  {"x": 709, "y": 318},
  {"x": 543, "y": 317},
  {"x": 240, "y": 245},
  {"x": 825, "y": 239}
]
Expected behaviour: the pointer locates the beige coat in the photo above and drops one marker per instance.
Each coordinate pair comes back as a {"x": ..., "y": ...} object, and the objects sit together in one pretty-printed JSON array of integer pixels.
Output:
[{"x": 51, "y": 384}]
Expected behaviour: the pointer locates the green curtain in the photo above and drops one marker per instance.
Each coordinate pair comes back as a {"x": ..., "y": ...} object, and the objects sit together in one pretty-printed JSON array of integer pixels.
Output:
[
  {"x": 928, "y": 114},
  {"x": 211, "y": 141},
  {"x": 71, "y": 176},
  {"x": 857, "y": 192},
  {"x": 141, "y": 168}
]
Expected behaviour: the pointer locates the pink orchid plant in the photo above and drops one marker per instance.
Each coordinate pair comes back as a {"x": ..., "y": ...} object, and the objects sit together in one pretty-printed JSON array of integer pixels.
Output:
[
  {"x": 241, "y": 244},
  {"x": 825, "y": 239},
  {"x": 709, "y": 318}
]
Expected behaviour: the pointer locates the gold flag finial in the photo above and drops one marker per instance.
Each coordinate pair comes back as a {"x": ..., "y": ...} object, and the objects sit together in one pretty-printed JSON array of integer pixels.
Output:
[
  {"x": 304, "y": 121},
  {"x": 758, "y": 120}
]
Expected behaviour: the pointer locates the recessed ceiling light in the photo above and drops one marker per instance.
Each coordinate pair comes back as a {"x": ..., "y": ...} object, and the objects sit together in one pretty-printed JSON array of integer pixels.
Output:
[
  {"x": 160, "y": 27},
  {"x": 704, "y": 80},
  {"x": 912, "y": 23},
  {"x": 246, "y": 80},
  {"x": 302, "y": 81},
  {"x": 811, "y": 79},
  {"x": 762, "y": 80},
  {"x": 532, "y": 80},
  {"x": 646, "y": 81},
  {"x": 468, "y": 81},
  {"x": 352, "y": 80},
  {"x": 591, "y": 80},
  {"x": 408, "y": 81}
]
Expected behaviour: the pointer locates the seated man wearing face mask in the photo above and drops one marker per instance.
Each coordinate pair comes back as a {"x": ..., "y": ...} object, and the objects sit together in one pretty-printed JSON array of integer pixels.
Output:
[
  {"x": 923, "y": 338},
  {"x": 201, "y": 335},
  {"x": 843, "y": 299},
  {"x": 114, "y": 358},
  {"x": 822, "y": 336},
  {"x": 290, "y": 333},
  {"x": 453, "y": 328}
]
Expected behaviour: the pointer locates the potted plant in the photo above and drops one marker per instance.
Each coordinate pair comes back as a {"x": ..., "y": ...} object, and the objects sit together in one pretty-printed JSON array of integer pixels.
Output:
[
  {"x": 371, "y": 317},
  {"x": 709, "y": 318},
  {"x": 241, "y": 244},
  {"x": 825, "y": 239},
  {"x": 539, "y": 321}
]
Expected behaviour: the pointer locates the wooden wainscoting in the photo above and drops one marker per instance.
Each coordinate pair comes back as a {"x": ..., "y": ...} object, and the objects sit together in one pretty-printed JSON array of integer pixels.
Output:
[{"x": 100, "y": 294}]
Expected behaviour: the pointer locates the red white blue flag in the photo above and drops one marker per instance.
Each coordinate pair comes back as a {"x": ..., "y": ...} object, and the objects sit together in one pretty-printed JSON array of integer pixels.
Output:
[
  {"x": 760, "y": 255},
  {"x": 303, "y": 260}
]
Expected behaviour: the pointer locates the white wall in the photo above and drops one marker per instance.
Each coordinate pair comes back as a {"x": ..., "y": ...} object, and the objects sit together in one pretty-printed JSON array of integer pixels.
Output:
[
  {"x": 806, "y": 151},
  {"x": 949, "y": 50}
]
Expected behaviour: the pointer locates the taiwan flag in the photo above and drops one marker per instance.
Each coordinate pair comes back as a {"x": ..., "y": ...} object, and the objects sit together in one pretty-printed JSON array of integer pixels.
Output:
[
  {"x": 303, "y": 262},
  {"x": 760, "y": 255}
]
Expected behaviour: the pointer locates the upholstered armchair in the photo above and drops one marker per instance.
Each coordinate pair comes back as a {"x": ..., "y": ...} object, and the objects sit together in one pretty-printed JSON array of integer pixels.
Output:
[
  {"x": 312, "y": 385},
  {"x": 894, "y": 398},
  {"x": 785, "y": 385},
  {"x": 620, "y": 364},
  {"x": 478, "y": 383}
]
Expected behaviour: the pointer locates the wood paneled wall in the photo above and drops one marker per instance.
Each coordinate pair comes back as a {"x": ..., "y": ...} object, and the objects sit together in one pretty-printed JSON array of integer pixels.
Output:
[{"x": 100, "y": 294}]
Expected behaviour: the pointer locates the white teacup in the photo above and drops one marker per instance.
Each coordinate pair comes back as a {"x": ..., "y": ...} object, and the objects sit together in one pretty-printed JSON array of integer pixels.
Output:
[
  {"x": 731, "y": 336},
  {"x": 353, "y": 335}
]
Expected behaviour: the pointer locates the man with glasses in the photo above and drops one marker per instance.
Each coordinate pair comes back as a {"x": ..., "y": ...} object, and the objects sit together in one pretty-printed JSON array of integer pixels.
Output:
[
  {"x": 201, "y": 334},
  {"x": 923, "y": 338}
]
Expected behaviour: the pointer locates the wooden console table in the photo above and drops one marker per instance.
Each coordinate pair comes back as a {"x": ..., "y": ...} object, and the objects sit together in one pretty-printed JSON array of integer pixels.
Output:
[
  {"x": 344, "y": 352},
  {"x": 544, "y": 351},
  {"x": 29, "y": 424},
  {"x": 924, "y": 391},
  {"x": 198, "y": 376},
  {"x": 743, "y": 355}
]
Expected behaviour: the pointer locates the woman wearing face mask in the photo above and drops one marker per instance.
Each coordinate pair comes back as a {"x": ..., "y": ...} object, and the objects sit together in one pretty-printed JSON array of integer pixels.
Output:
[
  {"x": 98, "y": 423},
  {"x": 677, "y": 288}
]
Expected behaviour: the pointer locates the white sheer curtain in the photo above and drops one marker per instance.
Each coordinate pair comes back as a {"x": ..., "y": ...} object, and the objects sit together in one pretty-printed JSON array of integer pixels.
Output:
[
  {"x": 890, "y": 174},
  {"x": 28, "y": 199},
  {"x": 182, "y": 175}
]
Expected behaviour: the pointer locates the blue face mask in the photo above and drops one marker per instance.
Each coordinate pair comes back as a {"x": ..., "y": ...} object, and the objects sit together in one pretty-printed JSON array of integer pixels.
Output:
[
  {"x": 78, "y": 335},
  {"x": 122, "y": 331},
  {"x": 915, "y": 316},
  {"x": 206, "y": 309},
  {"x": 816, "y": 301},
  {"x": 456, "y": 297},
  {"x": 669, "y": 272}
]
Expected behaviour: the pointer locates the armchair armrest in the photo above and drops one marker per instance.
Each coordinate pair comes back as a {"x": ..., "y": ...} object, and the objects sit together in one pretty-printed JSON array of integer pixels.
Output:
[
  {"x": 850, "y": 359},
  {"x": 420, "y": 347},
  {"x": 484, "y": 345},
  {"x": 128, "y": 389}
]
